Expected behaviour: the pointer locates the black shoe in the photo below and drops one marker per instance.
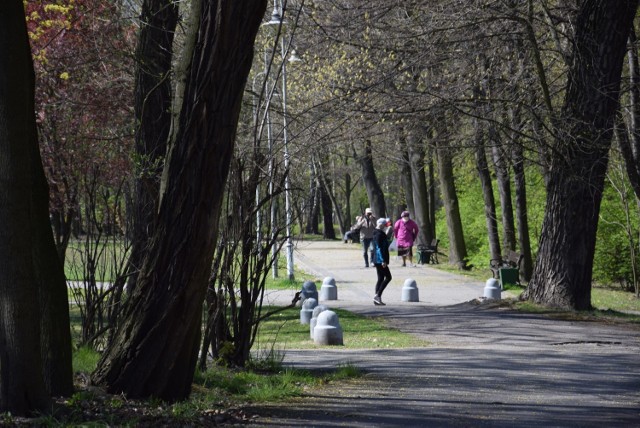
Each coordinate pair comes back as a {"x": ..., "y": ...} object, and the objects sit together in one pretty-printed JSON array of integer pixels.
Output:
[{"x": 377, "y": 301}]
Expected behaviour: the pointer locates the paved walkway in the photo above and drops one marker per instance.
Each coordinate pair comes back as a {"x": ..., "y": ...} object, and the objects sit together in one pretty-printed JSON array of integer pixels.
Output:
[{"x": 486, "y": 366}]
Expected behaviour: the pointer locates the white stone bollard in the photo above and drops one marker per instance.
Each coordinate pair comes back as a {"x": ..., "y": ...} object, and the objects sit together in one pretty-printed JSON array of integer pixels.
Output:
[
  {"x": 307, "y": 310},
  {"x": 329, "y": 291},
  {"x": 328, "y": 330},
  {"x": 492, "y": 289},
  {"x": 410, "y": 291},
  {"x": 314, "y": 317}
]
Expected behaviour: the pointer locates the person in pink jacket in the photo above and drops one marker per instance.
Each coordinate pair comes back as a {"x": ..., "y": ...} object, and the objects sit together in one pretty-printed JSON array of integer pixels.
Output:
[{"x": 406, "y": 231}]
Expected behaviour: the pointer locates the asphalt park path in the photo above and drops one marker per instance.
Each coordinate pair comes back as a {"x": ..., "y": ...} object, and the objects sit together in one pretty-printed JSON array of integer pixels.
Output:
[{"x": 485, "y": 365}]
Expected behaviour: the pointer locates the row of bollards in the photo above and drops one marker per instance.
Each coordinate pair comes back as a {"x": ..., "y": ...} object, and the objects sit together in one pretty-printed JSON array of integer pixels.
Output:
[{"x": 324, "y": 325}]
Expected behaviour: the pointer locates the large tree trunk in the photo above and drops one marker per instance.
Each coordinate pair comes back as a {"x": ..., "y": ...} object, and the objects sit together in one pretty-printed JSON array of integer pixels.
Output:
[
  {"x": 22, "y": 386},
  {"x": 330, "y": 204},
  {"x": 634, "y": 93},
  {"x": 155, "y": 348},
  {"x": 405, "y": 179},
  {"x": 487, "y": 195},
  {"x": 313, "y": 208},
  {"x": 370, "y": 179},
  {"x": 348, "y": 218},
  {"x": 153, "y": 120},
  {"x": 55, "y": 332},
  {"x": 431, "y": 189},
  {"x": 563, "y": 272},
  {"x": 374, "y": 191},
  {"x": 420, "y": 192},
  {"x": 629, "y": 141},
  {"x": 327, "y": 214},
  {"x": 520, "y": 187},
  {"x": 457, "y": 246},
  {"x": 504, "y": 189}
]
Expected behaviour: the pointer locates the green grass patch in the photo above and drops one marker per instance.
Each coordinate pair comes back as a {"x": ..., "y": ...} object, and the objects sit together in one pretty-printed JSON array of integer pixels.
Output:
[
  {"x": 614, "y": 299},
  {"x": 271, "y": 386},
  {"x": 282, "y": 282},
  {"x": 284, "y": 331},
  {"x": 85, "y": 360}
]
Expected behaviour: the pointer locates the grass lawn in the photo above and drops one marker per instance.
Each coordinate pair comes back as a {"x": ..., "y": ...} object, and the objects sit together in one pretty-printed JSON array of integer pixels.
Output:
[{"x": 283, "y": 331}]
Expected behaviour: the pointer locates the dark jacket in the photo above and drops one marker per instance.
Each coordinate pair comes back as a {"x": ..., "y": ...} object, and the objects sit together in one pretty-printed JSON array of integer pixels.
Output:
[{"x": 381, "y": 247}]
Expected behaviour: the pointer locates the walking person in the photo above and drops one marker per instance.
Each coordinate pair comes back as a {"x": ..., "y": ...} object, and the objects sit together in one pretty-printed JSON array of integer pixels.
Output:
[
  {"x": 366, "y": 224},
  {"x": 406, "y": 231},
  {"x": 381, "y": 259}
]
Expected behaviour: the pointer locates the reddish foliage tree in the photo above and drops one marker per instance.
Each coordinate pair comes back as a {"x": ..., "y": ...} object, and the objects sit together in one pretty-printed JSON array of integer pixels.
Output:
[{"x": 84, "y": 95}]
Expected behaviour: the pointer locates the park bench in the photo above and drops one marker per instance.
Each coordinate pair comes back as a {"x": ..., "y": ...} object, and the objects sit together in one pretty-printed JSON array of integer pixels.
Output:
[
  {"x": 507, "y": 268},
  {"x": 428, "y": 253}
]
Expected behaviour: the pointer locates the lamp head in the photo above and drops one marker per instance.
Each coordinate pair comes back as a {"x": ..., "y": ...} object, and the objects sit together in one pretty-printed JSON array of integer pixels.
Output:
[
  {"x": 276, "y": 19},
  {"x": 293, "y": 57}
]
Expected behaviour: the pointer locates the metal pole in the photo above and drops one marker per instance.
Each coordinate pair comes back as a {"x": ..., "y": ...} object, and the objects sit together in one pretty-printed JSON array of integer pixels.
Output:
[
  {"x": 287, "y": 188},
  {"x": 272, "y": 214}
]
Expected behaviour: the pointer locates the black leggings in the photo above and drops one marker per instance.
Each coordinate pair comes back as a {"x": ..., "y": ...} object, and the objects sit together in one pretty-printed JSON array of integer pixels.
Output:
[{"x": 384, "y": 278}]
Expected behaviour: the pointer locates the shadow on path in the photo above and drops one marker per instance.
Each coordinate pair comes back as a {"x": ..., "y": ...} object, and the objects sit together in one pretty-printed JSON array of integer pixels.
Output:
[{"x": 486, "y": 366}]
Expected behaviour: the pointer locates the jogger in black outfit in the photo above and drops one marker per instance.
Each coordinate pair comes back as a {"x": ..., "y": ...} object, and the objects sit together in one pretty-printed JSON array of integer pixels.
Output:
[{"x": 381, "y": 259}]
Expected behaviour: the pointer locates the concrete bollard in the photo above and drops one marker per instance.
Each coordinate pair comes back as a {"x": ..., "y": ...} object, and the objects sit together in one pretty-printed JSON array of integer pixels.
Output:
[
  {"x": 314, "y": 317},
  {"x": 329, "y": 291},
  {"x": 328, "y": 330},
  {"x": 307, "y": 310},
  {"x": 492, "y": 289},
  {"x": 410, "y": 291},
  {"x": 308, "y": 290}
]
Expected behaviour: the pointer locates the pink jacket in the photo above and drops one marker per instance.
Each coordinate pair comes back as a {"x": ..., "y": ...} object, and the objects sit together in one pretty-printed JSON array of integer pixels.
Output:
[{"x": 405, "y": 233}]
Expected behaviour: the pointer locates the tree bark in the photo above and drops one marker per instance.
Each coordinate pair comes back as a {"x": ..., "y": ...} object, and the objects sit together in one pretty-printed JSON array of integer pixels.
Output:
[
  {"x": 348, "y": 217},
  {"x": 634, "y": 94},
  {"x": 152, "y": 108},
  {"x": 405, "y": 179},
  {"x": 55, "y": 334},
  {"x": 22, "y": 386},
  {"x": 455, "y": 232},
  {"x": 629, "y": 141},
  {"x": 330, "y": 204},
  {"x": 313, "y": 209},
  {"x": 487, "y": 195},
  {"x": 327, "y": 214},
  {"x": 563, "y": 272},
  {"x": 431, "y": 189},
  {"x": 420, "y": 192},
  {"x": 155, "y": 349},
  {"x": 504, "y": 190},
  {"x": 520, "y": 187},
  {"x": 374, "y": 191}
]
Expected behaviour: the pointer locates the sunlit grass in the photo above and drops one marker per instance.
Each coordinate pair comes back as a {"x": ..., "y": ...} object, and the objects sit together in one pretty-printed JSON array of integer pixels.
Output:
[
  {"x": 618, "y": 300},
  {"x": 85, "y": 360},
  {"x": 285, "y": 332},
  {"x": 275, "y": 385}
]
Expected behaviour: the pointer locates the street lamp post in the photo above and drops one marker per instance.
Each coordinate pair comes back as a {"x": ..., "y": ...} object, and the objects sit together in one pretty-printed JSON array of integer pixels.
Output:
[{"x": 276, "y": 19}]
